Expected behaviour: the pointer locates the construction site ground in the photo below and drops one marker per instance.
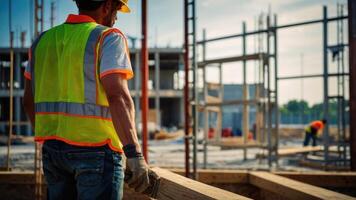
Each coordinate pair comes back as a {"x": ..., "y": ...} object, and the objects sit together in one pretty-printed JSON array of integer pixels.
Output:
[{"x": 170, "y": 154}]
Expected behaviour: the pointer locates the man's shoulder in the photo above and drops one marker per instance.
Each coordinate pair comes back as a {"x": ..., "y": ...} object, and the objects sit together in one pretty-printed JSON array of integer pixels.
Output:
[{"x": 114, "y": 32}]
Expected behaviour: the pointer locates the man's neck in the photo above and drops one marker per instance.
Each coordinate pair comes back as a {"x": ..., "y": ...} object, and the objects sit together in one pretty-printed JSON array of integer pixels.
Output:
[{"x": 98, "y": 19}]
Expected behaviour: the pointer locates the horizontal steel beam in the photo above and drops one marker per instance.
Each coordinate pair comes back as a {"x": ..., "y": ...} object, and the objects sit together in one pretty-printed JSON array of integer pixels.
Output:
[
  {"x": 266, "y": 30},
  {"x": 232, "y": 59},
  {"x": 6, "y": 93},
  {"x": 312, "y": 76}
]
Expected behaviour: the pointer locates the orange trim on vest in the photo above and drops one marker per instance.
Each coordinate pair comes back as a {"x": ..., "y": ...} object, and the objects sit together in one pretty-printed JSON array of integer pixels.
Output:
[
  {"x": 72, "y": 115},
  {"x": 77, "y": 19},
  {"x": 128, "y": 74},
  {"x": 82, "y": 144}
]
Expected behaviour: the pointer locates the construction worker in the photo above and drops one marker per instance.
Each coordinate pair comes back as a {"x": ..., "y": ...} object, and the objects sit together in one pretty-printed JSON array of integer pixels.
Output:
[
  {"x": 312, "y": 130},
  {"x": 78, "y": 102}
]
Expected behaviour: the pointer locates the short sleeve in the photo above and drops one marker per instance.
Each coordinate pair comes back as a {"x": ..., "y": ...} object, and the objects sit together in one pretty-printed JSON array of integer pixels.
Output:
[
  {"x": 28, "y": 68},
  {"x": 115, "y": 57}
]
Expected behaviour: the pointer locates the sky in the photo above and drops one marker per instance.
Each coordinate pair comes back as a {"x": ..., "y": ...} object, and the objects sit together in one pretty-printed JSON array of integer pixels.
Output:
[{"x": 299, "y": 48}]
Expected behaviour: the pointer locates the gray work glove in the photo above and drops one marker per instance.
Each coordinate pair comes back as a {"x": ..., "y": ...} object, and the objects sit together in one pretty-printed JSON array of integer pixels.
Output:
[{"x": 136, "y": 174}]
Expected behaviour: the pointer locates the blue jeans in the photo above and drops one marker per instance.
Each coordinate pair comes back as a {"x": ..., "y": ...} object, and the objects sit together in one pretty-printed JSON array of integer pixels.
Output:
[
  {"x": 308, "y": 136},
  {"x": 74, "y": 172}
]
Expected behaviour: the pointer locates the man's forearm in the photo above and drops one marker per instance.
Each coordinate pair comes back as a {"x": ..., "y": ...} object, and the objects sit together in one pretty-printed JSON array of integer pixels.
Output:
[{"x": 123, "y": 117}]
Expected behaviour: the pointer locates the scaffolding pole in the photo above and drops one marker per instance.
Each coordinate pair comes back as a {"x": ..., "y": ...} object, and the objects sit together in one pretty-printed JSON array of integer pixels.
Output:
[
  {"x": 186, "y": 90},
  {"x": 206, "y": 113},
  {"x": 8, "y": 160},
  {"x": 144, "y": 61},
  {"x": 326, "y": 85},
  {"x": 352, "y": 68},
  {"x": 276, "y": 116},
  {"x": 245, "y": 114},
  {"x": 269, "y": 102}
]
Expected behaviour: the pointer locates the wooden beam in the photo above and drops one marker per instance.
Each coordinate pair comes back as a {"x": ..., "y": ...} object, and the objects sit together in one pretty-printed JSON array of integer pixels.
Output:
[
  {"x": 293, "y": 151},
  {"x": 212, "y": 99},
  {"x": 291, "y": 189},
  {"x": 232, "y": 102},
  {"x": 234, "y": 143},
  {"x": 174, "y": 186},
  {"x": 213, "y": 176},
  {"x": 323, "y": 179},
  {"x": 320, "y": 179},
  {"x": 213, "y": 86},
  {"x": 17, "y": 178}
]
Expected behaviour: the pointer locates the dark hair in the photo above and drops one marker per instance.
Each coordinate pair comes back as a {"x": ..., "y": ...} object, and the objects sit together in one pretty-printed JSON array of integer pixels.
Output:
[
  {"x": 324, "y": 121},
  {"x": 87, "y": 5}
]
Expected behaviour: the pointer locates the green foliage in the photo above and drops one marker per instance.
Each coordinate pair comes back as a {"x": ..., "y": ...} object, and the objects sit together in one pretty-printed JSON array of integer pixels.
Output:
[{"x": 301, "y": 108}]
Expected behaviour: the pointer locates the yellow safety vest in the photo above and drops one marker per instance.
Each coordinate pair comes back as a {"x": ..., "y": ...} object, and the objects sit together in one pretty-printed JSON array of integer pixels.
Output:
[{"x": 70, "y": 102}]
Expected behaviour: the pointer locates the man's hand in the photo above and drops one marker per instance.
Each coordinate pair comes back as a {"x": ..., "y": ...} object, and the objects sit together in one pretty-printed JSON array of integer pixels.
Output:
[{"x": 136, "y": 175}]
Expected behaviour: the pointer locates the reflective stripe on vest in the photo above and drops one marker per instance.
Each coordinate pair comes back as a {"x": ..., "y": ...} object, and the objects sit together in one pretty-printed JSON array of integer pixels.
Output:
[
  {"x": 69, "y": 104},
  {"x": 74, "y": 109},
  {"x": 89, "y": 64}
]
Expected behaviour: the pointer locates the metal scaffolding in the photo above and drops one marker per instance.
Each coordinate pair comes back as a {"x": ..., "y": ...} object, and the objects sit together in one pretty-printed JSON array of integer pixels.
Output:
[
  {"x": 269, "y": 103},
  {"x": 265, "y": 101},
  {"x": 190, "y": 99}
]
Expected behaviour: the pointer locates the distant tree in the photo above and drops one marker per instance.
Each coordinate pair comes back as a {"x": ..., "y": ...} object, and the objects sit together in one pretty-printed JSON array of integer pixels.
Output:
[{"x": 316, "y": 111}]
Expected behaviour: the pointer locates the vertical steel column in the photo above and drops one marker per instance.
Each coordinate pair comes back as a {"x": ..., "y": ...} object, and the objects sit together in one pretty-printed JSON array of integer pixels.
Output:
[
  {"x": 137, "y": 88},
  {"x": 276, "y": 86},
  {"x": 186, "y": 89},
  {"x": 269, "y": 106},
  {"x": 340, "y": 88},
  {"x": 245, "y": 114},
  {"x": 157, "y": 87},
  {"x": 352, "y": 65},
  {"x": 343, "y": 120},
  {"x": 8, "y": 167},
  {"x": 18, "y": 98},
  {"x": 195, "y": 91},
  {"x": 221, "y": 97},
  {"x": 326, "y": 85},
  {"x": 206, "y": 111},
  {"x": 144, "y": 61}
]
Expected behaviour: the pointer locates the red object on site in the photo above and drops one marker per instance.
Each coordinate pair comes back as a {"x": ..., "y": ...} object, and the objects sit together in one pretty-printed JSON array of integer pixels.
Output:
[
  {"x": 227, "y": 132},
  {"x": 211, "y": 133}
]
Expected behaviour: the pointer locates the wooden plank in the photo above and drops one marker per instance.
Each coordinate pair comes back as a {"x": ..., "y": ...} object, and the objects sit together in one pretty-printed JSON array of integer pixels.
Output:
[
  {"x": 323, "y": 179},
  {"x": 235, "y": 143},
  {"x": 174, "y": 186},
  {"x": 291, "y": 189},
  {"x": 293, "y": 151},
  {"x": 212, "y": 100},
  {"x": 17, "y": 178},
  {"x": 232, "y": 102},
  {"x": 320, "y": 179},
  {"x": 213, "y": 86},
  {"x": 214, "y": 176}
]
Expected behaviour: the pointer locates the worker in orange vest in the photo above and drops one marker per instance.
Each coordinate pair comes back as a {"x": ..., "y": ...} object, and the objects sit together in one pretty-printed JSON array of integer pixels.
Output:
[
  {"x": 77, "y": 98},
  {"x": 312, "y": 130}
]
